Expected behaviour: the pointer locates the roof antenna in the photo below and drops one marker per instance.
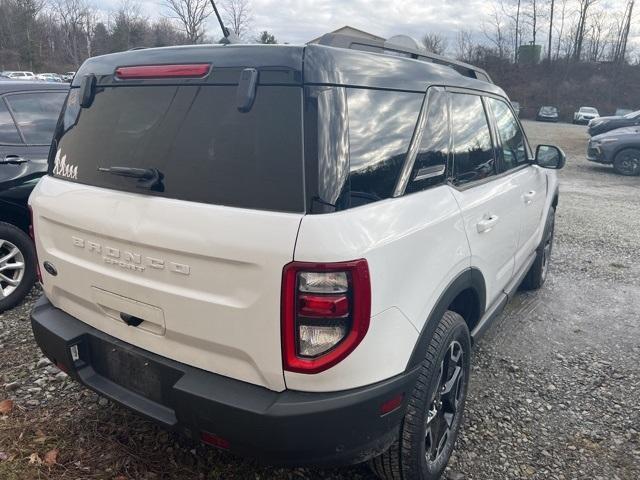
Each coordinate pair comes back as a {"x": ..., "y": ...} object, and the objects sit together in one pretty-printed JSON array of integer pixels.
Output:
[{"x": 229, "y": 36}]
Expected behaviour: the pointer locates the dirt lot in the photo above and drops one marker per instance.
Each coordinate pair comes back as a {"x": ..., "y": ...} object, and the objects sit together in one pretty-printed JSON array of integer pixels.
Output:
[{"x": 555, "y": 388}]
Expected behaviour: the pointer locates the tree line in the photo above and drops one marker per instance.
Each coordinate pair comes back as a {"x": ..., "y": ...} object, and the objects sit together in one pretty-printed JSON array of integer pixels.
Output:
[
  {"x": 577, "y": 30},
  {"x": 58, "y": 35},
  {"x": 586, "y": 53}
]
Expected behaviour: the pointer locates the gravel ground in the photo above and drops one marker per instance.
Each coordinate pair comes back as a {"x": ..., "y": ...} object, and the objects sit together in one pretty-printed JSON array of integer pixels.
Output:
[{"x": 555, "y": 390}]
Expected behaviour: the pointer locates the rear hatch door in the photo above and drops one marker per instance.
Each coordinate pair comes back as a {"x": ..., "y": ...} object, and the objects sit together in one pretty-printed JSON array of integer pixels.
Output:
[{"x": 185, "y": 262}]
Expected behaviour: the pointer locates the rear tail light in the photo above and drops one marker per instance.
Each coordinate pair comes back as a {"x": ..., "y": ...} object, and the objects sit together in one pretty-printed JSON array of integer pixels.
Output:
[
  {"x": 143, "y": 72},
  {"x": 214, "y": 440},
  {"x": 326, "y": 309},
  {"x": 32, "y": 234}
]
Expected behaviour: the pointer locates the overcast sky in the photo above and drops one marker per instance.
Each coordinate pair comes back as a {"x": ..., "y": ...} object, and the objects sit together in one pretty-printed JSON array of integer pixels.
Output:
[{"x": 298, "y": 21}]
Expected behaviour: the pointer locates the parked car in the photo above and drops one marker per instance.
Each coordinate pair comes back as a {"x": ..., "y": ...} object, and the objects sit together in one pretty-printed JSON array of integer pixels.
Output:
[
  {"x": 49, "y": 77},
  {"x": 20, "y": 75},
  {"x": 585, "y": 114},
  {"x": 605, "y": 124},
  {"x": 24, "y": 146},
  {"x": 548, "y": 114},
  {"x": 516, "y": 108},
  {"x": 619, "y": 147},
  {"x": 298, "y": 291},
  {"x": 622, "y": 111},
  {"x": 67, "y": 77}
]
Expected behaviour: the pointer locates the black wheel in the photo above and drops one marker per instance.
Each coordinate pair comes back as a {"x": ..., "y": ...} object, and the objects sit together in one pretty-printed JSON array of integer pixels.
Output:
[
  {"x": 435, "y": 410},
  {"x": 627, "y": 162},
  {"x": 538, "y": 272},
  {"x": 17, "y": 265}
]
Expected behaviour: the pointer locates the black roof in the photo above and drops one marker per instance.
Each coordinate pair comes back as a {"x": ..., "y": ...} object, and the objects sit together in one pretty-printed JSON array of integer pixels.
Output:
[
  {"x": 286, "y": 64},
  {"x": 10, "y": 86}
]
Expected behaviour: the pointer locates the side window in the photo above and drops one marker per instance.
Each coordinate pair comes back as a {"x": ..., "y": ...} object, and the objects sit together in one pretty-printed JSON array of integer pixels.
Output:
[
  {"x": 8, "y": 131},
  {"x": 473, "y": 155},
  {"x": 37, "y": 114},
  {"x": 431, "y": 160},
  {"x": 513, "y": 148},
  {"x": 381, "y": 124}
]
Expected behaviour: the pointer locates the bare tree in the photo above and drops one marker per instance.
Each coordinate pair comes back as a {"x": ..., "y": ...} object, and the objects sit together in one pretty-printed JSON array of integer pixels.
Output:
[
  {"x": 191, "y": 15},
  {"x": 532, "y": 14},
  {"x": 560, "y": 30},
  {"x": 238, "y": 16},
  {"x": 465, "y": 45},
  {"x": 623, "y": 38},
  {"x": 436, "y": 43},
  {"x": 583, "y": 11},
  {"x": 552, "y": 8},
  {"x": 77, "y": 19},
  {"x": 266, "y": 38},
  {"x": 495, "y": 32}
]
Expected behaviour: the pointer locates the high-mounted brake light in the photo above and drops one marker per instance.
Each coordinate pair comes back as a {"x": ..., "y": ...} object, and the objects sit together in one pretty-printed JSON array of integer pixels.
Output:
[
  {"x": 326, "y": 308},
  {"x": 142, "y": 72}
]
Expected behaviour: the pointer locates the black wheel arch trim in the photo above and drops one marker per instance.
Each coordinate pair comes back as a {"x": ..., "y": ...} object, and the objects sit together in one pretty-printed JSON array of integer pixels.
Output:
[
  {"x": 621, "y": 149},
  {"x": 470, "y": 278}
]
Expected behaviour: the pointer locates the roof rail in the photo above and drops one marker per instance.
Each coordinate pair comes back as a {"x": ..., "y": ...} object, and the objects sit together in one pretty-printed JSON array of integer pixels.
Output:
[{"x": 339, "y": 40}]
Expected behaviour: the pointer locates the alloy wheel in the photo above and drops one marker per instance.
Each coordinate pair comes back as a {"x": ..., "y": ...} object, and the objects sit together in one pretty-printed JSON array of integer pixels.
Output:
[
  {"x": 444, "y": 407},
  {"x": 12, "y": 268},
  {"x": 629, "y": 163}
]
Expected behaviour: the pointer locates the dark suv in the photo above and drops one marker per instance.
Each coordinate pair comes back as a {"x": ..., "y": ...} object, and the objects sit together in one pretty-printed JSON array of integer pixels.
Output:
[{"x": 28, "y": 115}]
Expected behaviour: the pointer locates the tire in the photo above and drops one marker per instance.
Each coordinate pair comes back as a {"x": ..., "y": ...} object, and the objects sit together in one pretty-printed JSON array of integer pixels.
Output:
[
  {"x": 537, "y": 274},
  {"x": 429, "y": 410},
  {"x": 627, "y": 162},
  {"x": 17, "y": 266}
]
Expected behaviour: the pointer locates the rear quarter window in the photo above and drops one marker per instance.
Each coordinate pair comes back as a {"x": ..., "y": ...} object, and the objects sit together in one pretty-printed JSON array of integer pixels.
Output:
[{"x": 381, "y": 125}]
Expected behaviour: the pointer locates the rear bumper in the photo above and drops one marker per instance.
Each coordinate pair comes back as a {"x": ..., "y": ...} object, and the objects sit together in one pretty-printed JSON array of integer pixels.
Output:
[{"x": 289, "y": 428}]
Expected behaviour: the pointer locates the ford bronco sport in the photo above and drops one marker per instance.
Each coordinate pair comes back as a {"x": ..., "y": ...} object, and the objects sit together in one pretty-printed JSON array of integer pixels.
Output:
[{"x": 288, "y": 251}]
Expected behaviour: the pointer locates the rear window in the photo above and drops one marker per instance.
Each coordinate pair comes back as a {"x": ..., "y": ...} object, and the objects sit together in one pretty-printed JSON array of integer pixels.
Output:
[
  {"x": 206, "y": 150},
  {"x": 37, "y": 114}
]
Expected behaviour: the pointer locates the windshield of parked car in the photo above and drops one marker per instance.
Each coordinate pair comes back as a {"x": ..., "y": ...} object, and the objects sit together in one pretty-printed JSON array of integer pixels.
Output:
[
  {"x": 548, "y": 110},
  {"x": 588, "y": 110},
  {"x": 632, "y": 115}
]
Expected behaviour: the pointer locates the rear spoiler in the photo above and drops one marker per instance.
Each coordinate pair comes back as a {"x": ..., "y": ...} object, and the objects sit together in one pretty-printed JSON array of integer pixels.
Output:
[{"x": 351, "y": 42}]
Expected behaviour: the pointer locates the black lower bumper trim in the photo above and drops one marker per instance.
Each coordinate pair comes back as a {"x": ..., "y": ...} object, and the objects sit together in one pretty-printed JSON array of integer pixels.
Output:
[{"x": 288, "y": 428}]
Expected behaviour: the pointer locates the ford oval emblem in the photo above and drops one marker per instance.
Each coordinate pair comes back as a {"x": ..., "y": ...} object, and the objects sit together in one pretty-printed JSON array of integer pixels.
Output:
[{"x": 48, "y": 266}]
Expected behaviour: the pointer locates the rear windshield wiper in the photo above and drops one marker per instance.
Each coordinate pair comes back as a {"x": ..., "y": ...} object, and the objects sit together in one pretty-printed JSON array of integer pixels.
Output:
[{"x": 150, "y": 178}]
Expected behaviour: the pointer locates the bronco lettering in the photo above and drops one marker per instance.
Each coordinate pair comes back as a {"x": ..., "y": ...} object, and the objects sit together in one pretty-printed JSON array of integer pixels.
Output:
[{"x": 132, "y": 261}]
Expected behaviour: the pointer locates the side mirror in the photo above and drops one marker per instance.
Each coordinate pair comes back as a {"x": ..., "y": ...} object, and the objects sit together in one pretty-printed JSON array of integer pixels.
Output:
[{"x": 549, "y": 156}]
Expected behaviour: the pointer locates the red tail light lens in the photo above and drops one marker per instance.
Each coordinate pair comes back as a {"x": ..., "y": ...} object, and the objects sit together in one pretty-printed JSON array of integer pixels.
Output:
[
  {"x": 142, "y": 72},
  {"x": 32, "y": 234},
  {"x": 214, "y": 440},
  {"x": 326, "y": 308}
]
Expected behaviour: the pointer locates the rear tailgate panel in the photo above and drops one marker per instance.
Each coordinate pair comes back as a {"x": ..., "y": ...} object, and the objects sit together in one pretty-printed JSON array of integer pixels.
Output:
[{"x": 212, "y": 274}]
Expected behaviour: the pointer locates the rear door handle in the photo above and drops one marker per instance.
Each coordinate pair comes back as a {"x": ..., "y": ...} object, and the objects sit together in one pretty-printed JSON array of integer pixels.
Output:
[
  {"x": 486, "y": 224},
  {"x": 13, "y": 160},
  {"x": 529, "y": 196}
]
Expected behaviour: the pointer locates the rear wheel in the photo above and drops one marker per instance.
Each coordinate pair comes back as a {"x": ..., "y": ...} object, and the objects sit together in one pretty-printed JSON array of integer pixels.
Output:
[
  {"x": 627, "y": 162},
  {"x": 538, "y": 272},
  {"x": 17, "y": 265},
  {"x": 435, "y": 410}
]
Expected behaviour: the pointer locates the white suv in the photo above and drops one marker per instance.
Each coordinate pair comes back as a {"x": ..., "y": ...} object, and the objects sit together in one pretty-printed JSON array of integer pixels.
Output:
[{"x": 287, "y": 251}]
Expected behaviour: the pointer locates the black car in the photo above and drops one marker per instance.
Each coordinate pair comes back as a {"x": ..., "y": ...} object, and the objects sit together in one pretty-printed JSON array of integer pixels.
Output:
[
  {"x": 605, "y": 124},
  {"x": 29, "y": 112},
  {"x": 548, "y": 113}
]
